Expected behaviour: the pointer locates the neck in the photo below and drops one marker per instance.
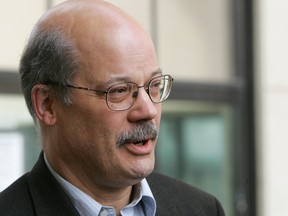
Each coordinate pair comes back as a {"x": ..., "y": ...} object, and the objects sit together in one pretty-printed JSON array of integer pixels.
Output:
[
  {"x": 117, "y": 199},
  {"x": 105, "y": 194}
]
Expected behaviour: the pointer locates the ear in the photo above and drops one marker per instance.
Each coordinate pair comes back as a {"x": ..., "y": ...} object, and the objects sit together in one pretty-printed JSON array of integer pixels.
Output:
[{"x": 42, "y": 101}]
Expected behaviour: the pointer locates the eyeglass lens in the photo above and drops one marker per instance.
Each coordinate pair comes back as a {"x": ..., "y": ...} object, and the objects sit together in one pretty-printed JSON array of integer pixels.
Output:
[{"x": 122, "y": 96}]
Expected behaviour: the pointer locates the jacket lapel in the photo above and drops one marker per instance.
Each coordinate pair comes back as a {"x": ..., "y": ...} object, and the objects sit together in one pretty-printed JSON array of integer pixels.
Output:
[{"x": 48, "y": 197}]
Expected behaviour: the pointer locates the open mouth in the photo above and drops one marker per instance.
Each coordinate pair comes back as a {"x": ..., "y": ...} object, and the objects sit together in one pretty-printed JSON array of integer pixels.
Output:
[
  {"x": 140, "y": 143},
  {"x": 139, "y": 146}
]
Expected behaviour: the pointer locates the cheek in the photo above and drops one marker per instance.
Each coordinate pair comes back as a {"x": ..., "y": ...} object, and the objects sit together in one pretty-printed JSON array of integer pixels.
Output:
[
  {"x": 100, "y": 126},
  {"x": 82, "y": 124}
]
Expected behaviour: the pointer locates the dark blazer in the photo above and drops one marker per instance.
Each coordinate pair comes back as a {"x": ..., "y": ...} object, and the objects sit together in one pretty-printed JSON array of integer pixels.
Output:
[{"x": 38, "y": 193}]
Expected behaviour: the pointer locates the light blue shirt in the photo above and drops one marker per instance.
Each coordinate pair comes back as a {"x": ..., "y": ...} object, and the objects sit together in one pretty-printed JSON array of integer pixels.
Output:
[{"x": 143, "y": 204}]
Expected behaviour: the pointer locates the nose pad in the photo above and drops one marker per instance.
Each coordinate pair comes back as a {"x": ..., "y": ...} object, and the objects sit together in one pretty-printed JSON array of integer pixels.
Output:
[{"x": 135, "y": 94}]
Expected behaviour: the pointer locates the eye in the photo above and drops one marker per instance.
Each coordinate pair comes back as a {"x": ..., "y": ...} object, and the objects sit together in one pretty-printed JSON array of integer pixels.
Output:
[
  {"x": 156, "y": 84},
  {"x": 120, "y": 91}
]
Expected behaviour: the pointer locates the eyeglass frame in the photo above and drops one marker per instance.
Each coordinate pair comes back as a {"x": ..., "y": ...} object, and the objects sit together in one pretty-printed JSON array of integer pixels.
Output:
[{"x": 170, "y": 78}]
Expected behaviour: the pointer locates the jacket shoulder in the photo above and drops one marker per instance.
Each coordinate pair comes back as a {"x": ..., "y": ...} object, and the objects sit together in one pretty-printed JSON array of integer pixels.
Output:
[
  {"x": 174, "y": 197},
  {"x": 16, "y": 199}
]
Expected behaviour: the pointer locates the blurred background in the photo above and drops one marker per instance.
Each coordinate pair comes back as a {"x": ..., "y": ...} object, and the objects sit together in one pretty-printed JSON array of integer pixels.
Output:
[{"x": 224, "y": 126}]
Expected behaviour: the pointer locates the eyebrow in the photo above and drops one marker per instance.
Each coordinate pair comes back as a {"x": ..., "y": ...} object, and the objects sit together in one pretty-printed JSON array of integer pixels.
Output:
[
  {"x": 125, "y": 78},
  {"x": 157, "y": 72}
]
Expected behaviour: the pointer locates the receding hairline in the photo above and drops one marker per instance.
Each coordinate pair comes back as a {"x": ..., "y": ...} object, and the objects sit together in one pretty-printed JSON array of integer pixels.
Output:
[{"x": 65, "y": 15}]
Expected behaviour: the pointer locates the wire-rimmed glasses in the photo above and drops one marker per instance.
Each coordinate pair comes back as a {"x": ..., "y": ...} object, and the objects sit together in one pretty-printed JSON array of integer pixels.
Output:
[{"x": 122, "y": 96}]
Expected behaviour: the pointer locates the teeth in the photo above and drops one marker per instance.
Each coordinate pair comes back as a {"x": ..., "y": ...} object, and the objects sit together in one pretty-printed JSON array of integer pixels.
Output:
[{"x": 141, "y": 143}]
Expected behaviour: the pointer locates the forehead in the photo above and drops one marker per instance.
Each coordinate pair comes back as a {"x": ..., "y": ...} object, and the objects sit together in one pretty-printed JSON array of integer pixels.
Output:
[
  {"x": 117, "y": 52},
  {"x": 108, "y": 41}
]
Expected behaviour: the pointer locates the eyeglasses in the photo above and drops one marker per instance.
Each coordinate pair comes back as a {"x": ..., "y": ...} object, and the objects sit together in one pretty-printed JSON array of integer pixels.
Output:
[{"x": 122, "y": 96}]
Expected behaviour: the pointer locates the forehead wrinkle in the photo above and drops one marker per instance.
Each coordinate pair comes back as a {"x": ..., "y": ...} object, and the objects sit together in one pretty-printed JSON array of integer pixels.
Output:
[{"x": 127, "y": 78}]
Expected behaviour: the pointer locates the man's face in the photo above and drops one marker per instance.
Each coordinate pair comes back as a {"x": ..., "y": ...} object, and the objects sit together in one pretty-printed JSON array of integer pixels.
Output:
[{"x": 88, "y": 131}]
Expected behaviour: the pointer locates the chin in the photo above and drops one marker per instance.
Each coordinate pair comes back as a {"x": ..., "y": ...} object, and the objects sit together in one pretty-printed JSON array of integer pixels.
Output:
[{"x": 143, "y": 170}]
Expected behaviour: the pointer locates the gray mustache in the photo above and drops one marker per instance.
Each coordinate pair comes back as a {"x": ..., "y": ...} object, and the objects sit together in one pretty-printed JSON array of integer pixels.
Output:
[{"x": 142, "y": 131}]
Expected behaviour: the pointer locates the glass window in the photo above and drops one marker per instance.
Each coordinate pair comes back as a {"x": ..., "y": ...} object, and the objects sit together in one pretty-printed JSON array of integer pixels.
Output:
[
  {"x": 16, "y": 20},
  {"x": 196, "y": 144},
  {"x": 194, "y": 39},
  {"x": 19, "y": 146}
]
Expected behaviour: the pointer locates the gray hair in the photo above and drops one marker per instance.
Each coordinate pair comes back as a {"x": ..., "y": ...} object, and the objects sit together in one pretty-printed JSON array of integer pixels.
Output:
[{"x": 49, "y": 57}]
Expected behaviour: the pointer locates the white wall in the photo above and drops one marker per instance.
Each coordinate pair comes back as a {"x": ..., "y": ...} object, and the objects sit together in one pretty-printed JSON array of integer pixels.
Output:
[
  {"x": 16, "y": 21},
  {"x": 272, "y": 105}
]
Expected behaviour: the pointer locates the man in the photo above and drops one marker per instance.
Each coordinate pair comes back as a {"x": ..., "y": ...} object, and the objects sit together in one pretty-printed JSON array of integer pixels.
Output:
[{"x": 93, "y": 85}]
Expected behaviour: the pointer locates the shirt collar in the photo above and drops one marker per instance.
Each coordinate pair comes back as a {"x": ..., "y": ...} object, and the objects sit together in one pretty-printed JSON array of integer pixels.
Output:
[{"x": 86, "y": 205}]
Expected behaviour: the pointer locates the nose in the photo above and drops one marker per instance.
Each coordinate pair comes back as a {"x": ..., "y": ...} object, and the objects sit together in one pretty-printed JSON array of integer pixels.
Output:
[
  {"x": 135, "y": 94},
  {"x": 143, "y": 108}
]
